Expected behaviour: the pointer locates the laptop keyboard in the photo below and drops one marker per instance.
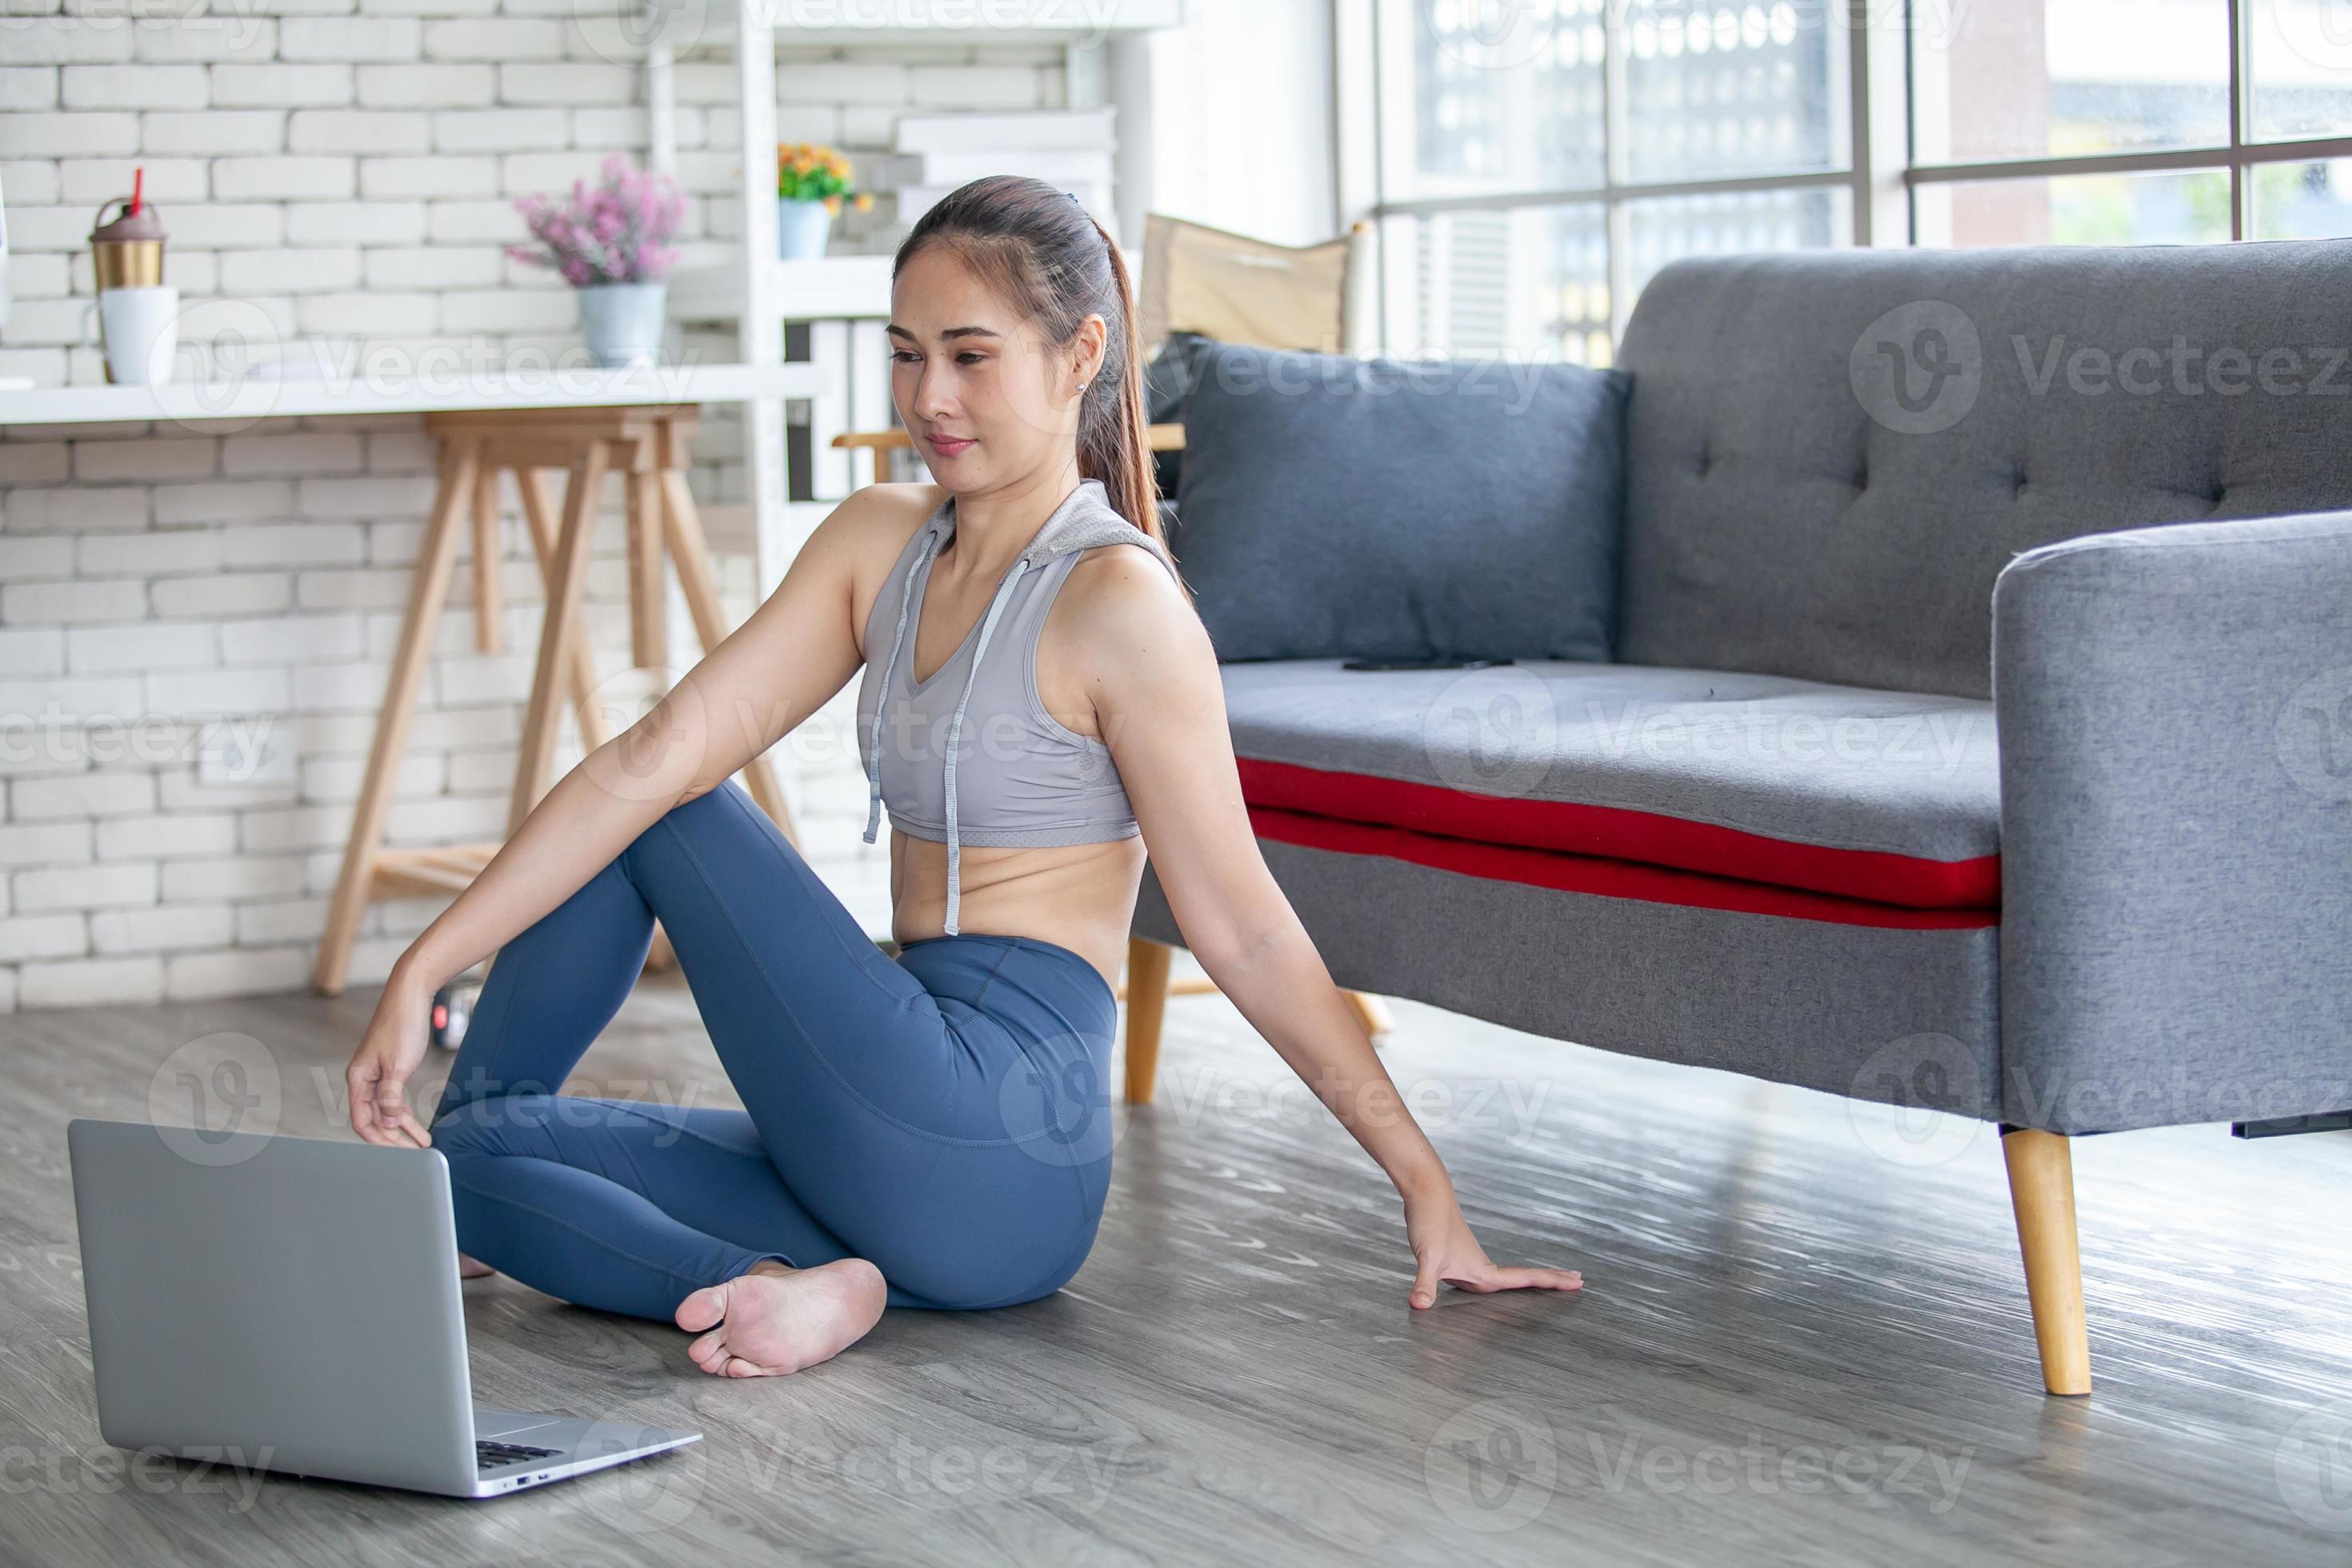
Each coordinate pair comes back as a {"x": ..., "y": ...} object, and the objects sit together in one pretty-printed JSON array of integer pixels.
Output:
[{"x": 491, "y": 1456}]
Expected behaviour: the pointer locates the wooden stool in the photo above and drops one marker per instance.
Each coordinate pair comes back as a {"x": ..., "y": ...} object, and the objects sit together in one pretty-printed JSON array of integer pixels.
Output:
[{"x": 648, "y": 446}]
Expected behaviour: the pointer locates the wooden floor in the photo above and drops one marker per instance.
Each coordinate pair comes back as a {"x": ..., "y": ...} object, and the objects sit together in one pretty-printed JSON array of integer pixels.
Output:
[{"x": 1800, "y": 1340}]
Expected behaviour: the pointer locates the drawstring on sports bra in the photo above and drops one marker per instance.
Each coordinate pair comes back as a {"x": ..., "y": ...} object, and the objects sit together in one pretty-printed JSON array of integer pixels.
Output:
[{"x": 955, "y": 726}]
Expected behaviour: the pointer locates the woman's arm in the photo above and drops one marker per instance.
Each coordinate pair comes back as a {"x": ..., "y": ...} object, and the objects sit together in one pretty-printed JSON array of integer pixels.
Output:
[
  {"x": 789, "y": 658},
  {"x": 1160, "y": 705}
]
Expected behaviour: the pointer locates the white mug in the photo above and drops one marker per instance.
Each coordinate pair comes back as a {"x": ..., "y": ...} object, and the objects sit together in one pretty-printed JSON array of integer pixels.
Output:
[{"x": 140, "y": 332}]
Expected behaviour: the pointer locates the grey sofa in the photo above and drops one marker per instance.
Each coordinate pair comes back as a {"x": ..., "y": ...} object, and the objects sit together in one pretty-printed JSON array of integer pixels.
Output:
[{"x": 1979, "y": 732}]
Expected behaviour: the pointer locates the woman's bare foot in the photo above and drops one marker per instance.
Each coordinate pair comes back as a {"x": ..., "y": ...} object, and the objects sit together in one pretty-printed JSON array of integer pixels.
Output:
[
  {"x": 472, "y": 1267},
  {"x": 776, "y": 1319}
]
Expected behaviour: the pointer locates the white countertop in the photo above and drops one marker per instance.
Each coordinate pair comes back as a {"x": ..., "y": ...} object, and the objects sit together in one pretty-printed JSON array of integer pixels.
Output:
[{"x": 413, "y": 390}]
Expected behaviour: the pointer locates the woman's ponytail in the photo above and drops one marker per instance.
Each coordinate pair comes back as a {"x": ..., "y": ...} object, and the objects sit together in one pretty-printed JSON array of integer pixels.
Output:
[{"x": 1113, "y": 440}]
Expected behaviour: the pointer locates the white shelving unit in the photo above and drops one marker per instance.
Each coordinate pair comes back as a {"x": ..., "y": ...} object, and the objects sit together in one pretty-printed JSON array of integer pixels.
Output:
[{"x": 845, "y": 300}]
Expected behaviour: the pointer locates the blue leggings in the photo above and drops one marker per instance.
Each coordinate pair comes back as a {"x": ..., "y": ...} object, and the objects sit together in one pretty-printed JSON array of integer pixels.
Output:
[{"x": 944, "y": 1115}]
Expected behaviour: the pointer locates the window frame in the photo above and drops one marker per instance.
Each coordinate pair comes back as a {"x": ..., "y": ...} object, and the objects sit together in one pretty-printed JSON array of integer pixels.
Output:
[
  {"x": 1881, "y": 172},
  {"x": 1359, "y": 135},
  {"x": 2237, "y": 156}
]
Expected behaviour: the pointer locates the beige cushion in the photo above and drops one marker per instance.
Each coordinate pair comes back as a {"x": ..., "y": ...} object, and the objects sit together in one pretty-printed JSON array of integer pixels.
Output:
[{"x": 1237, "y": 289}]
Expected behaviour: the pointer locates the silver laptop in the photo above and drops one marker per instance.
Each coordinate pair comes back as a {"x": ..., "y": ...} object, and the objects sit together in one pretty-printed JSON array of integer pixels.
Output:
[{"x": 291, "y": 1304}]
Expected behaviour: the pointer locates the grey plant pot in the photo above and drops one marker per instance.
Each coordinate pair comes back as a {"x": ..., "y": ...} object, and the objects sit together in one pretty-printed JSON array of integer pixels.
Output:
[{"x": 623, "y": 322}]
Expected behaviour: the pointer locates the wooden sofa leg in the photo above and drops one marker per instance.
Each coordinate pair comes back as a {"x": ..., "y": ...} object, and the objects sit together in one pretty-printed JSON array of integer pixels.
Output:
[
  {"x": 2042, "y": 1188},
  {"x": 1372, "y": 1015},
  {"x": 1147, "y": 1003}
]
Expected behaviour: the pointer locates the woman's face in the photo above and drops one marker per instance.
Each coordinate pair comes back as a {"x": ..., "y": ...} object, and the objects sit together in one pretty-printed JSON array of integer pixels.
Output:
[{"x": 985, "y": 397}]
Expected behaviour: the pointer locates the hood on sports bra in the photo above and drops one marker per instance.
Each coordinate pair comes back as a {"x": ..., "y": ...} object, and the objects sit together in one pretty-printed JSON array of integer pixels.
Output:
[{"x": 1082, "y": 521}]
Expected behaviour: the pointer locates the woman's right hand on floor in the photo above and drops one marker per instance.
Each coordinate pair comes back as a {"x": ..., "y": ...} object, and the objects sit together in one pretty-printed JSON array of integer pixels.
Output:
[{"x": 378, "y": 1077}]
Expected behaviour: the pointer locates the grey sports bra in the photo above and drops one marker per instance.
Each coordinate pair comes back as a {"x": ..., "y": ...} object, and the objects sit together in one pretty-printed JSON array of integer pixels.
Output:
[{"x": 1020, "y": 778}]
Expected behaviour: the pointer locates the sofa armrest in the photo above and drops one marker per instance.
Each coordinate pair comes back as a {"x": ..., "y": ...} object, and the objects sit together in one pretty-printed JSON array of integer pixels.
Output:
[{"x": 2175, "y": 706}]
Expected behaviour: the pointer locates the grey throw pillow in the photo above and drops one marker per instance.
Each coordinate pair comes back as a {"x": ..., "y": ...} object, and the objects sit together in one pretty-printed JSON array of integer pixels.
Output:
[
  {"x": 1166, "y": 380},
  {"x": 1336, "y": 507}
]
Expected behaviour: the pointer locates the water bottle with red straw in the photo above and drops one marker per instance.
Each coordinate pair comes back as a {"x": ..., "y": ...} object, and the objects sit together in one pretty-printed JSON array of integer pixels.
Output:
[{"x": 138, "y": 312}]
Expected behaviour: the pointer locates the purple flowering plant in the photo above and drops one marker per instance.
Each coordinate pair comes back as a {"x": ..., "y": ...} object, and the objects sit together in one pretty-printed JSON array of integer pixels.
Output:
[{"x": 619, "y": 232}]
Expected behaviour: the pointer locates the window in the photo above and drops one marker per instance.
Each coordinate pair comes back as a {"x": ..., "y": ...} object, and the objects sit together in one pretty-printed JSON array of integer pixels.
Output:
[
  {"x": 1531, "y": 164},
  {"x": 2117, "y": 121},
  {"x": 1539, "y": 160}
]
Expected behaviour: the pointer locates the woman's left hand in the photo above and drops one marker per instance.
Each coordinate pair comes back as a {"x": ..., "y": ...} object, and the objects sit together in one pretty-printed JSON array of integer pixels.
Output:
[{"x": 1446, "y": 1251}]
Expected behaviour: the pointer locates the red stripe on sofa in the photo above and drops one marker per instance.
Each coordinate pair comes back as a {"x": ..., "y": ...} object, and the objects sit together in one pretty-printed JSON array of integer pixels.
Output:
[
  {"x": 1616, "y": 833},
  {"x": 1597, "y": 875}
]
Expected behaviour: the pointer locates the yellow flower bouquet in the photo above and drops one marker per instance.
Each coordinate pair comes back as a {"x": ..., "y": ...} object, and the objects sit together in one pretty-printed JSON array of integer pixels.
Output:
[{"x": 808, "y": 172}]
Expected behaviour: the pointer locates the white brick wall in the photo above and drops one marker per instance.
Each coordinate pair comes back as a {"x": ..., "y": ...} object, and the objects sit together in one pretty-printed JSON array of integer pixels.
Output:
[{"x": 349, "y": 167}]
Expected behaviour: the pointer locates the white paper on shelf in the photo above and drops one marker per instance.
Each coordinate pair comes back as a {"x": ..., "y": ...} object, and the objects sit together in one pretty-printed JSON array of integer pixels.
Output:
[
  {"x": 1039, "y": 128},
  {"x": 1070, "y": 170}
]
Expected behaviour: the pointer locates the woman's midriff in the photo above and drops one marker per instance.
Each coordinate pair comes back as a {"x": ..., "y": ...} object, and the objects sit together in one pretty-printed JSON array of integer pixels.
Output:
[{"x": 1078, "y": 896}]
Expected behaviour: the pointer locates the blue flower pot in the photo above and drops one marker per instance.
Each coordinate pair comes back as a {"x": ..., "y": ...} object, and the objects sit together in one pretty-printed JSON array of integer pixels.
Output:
[{"x": 802, "y": 229}]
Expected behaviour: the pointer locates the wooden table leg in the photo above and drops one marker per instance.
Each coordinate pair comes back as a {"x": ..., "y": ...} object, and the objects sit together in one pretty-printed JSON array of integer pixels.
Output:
[
  {"x": 649, "y": 637},
  {"x": 428, "y": 590},
  {"x": 691, "y": 553},
  {"x": 566, "y": 585},
  {"x": 660, "y": 514},
  {"x": 490, "y": 551},
  {"x": 538, "y": 514},
  {"x": 539, "y": 511}
]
